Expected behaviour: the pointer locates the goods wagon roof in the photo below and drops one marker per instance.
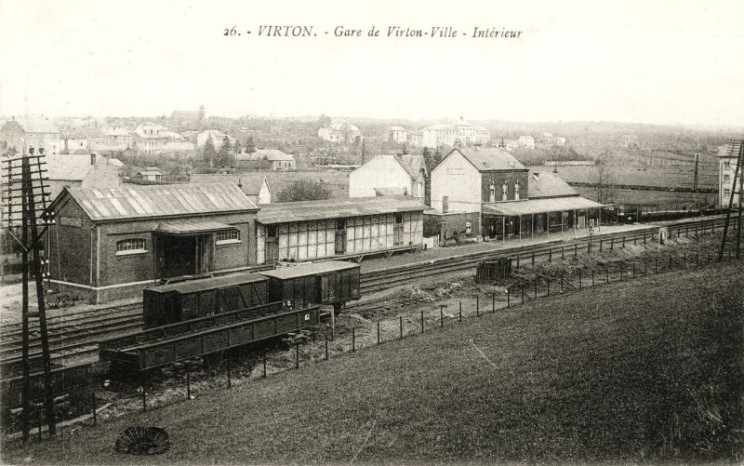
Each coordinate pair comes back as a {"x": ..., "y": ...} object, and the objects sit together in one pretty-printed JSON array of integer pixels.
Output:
[
  {"x": 302, "y": 270},
  {"x": 194, "y": 286},
  {"x": 160, "y": 200},
  {"x": 336, "y": 208}
]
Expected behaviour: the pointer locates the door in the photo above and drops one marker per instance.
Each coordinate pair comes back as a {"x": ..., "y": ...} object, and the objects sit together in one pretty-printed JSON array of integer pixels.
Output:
[
  {"x": 398, "y": 230},
  {"x": 340, "y": 236},
  {"x": 272, "y": 244}
]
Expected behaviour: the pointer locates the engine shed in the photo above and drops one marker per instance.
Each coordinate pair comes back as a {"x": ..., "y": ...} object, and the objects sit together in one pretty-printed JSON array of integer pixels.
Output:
[
  {"x": 113, "y": 242},
  {"x": 338, "y": 229}
]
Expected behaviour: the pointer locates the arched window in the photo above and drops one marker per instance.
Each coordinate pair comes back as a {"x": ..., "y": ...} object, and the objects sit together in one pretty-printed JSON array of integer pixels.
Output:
[
  {"x": 504, "y": 192},
  {"x": 516, "y": 191},
  {"x": 492, "y": 197}
]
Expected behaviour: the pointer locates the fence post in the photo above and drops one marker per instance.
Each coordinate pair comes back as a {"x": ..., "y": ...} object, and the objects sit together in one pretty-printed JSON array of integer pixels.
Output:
[
  {"x": 656, "y": 264},
  {"x": 460, "y": 311},
  {"x": 95, "y": 407},
  {"x": 441, "y": 315},
  {"x": 297, "y": 354},
  {"x": 550, "y": 255},
  {"x": 517, "y": 261},
  {"x": 670, "y": 262},
  {"x": 561, "y": 283},
  {"x": 548, "y": 286},
  {"x": 592, "y": 277},
  {"x": 188, "y": 382},
  {"x": 401, "y": 327},
  {"x": 477, "y": 306},
  {"x": 601, "y": 245},
  {"x": 589, "y": 247},
  {"x": 580, "y": 279},
  {"x": 563, "y": 252},
  {"x": 576, "y": 250},
  {"x": 493, "y": 301},
  {"x": 533, "y": 258},
  {"x": 229, "y": 373},
  {"x": 623, "y": 240},
  {"x": 264, "y": 363},
  {"x": 144, "y": 397},
  {"x": 326, "y": 343},
  {"x": 644, "y": 238},
  {"x": 634, "y": 274},
  {"x": 353, "y": 339},
  {"x": 508, "y": 298},
  {"x": 612, "y": 244},
  {"x": 378, "y": 332},
  {"x": 607, "y": 270}
]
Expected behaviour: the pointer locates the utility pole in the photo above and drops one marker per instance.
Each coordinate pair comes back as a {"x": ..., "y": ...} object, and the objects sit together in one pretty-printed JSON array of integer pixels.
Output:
[
  {"x": 735, "y": 147},
  {"x": 695, "y": 177},
  {"x": 27, "y": 209}
]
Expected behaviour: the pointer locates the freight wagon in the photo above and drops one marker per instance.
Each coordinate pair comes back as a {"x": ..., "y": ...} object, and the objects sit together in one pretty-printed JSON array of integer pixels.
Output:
[
  {"x": 331, "y": 283},
  {"x": 188, "y": 300}
]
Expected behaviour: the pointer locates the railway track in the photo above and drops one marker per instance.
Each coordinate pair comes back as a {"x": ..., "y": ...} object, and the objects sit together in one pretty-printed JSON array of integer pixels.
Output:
[{"x": 73, "y": 337}]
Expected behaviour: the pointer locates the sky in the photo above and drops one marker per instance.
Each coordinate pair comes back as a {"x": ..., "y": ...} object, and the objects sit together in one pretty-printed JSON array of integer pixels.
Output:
[{"x": 664, "y": 62}]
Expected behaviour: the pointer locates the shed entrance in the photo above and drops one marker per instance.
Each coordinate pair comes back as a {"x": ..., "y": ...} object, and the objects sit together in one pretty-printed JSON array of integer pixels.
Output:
[{"x": 182, "y": 255}]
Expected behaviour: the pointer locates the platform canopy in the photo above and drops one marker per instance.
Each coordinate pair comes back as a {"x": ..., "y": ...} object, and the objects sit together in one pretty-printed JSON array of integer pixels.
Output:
[
  {"x": 540, "y": 206},
  {"x": 191, "y": 227}
]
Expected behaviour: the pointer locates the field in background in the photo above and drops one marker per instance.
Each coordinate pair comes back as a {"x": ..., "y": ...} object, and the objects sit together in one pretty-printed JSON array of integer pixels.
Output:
[{"x": 640, "y": 371}]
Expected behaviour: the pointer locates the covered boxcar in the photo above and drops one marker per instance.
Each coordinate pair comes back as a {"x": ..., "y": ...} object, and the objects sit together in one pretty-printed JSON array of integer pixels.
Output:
[
  {"x": 199, "y": 298},
  {"x": 332, "y": 283}
]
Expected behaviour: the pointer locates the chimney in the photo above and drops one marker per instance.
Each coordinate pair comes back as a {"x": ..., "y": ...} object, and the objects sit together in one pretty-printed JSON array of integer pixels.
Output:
[
  {"x": 92, "y": 159},
  {"x": 445, "y": 204}
]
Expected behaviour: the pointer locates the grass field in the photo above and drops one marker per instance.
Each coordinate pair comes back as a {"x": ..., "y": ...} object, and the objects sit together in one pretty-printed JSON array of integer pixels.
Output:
[{"x": 642, "y": 371}]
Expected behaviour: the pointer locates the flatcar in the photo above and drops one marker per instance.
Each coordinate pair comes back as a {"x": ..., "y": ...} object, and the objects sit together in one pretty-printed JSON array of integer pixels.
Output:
[{"x": 330, "y": 283}]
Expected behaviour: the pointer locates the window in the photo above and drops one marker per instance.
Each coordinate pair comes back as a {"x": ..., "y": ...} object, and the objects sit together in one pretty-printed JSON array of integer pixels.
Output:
[
  {"x": 727, "y": 164},
  {"x": 726, "y": 178},
  {"x": 726, "y": 193},
  {"x": 228, "y": 237},
  {"x": 516, "y": 191},
  {"x": 504, "y": 192},
  {"x": 126, "y": 247},
  {"x": 492, "y": 193}
]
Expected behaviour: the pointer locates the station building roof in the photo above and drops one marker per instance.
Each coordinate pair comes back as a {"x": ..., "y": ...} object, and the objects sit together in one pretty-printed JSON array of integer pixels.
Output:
[
  {"x": 489, "y": 158},
  {"x": 135, "y": 202},
  {"x": 303, "y": 211},
  {"x": 548, "y": 184},
  {"x": 539, "y": 206}
]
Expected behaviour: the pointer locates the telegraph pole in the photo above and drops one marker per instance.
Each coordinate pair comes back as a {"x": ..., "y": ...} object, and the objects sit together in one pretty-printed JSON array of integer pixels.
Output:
[
  {"x": 695, "y": 177},
  {"x": 28, "y": 209},
  {"x": 733, "y": 143}
]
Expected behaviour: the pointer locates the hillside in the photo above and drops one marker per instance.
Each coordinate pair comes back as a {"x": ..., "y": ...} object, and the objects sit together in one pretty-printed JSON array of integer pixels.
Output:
[{"x": 641, "y": 371}]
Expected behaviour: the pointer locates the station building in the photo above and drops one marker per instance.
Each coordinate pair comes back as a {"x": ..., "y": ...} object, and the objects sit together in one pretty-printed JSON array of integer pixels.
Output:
[
  {"x": 487, "y": 194},
  {"x": 338, "y": 228},
  {"x": 109, "y": 243}
]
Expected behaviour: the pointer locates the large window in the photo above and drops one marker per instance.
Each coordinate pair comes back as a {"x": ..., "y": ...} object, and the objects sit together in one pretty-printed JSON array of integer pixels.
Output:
[
  {"x": 228, "y": 237},
  {"x": 131, "y": 246}
]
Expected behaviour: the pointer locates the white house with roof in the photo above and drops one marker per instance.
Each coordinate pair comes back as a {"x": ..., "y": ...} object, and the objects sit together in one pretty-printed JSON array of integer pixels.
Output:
[
  {"x": 401, "y": 175},
  {"x": 727, "y": 159},
  {"x": 341, "y": 132},
  {"x": 31, "y": 131},
  {"x": 272, "y": 159},
  {"x": 461, "y": 133}
]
